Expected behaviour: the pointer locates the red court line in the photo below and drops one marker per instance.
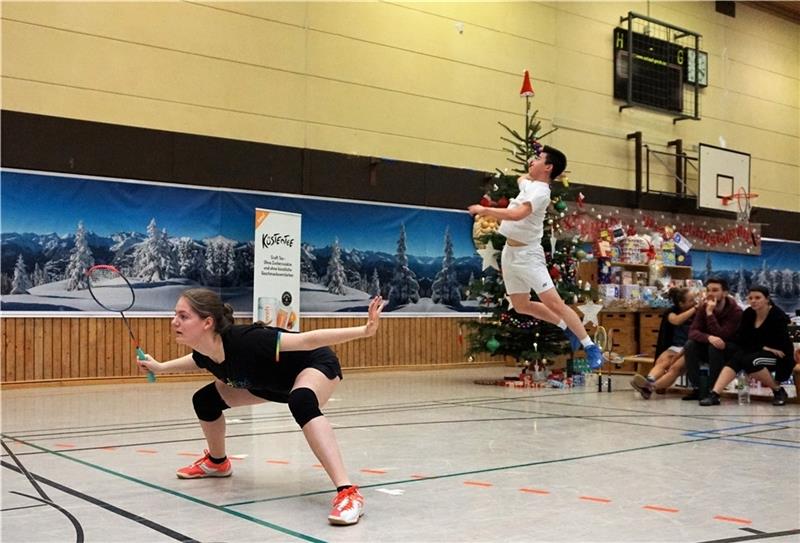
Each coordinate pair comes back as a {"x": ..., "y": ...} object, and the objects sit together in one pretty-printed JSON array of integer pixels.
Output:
[
  {"x": 478, "y": 483},
  {"x": 109, "y": 448},
  {"x": 196, "y": 455},
  {"x": 277, "y": 461},
  {"x": 534, "y": 491},
  {"x": 418, "y": 476},
  {"x": 660, "y": 508},
  {"x": 593, "y": 499},
  {"x": 318, "y": 466},
  {"x": 733, "y": 519},
  {"x": 146, "y": 451},
  {"x": 65, "y": 445},
  {"x": 374, "y": 471}
]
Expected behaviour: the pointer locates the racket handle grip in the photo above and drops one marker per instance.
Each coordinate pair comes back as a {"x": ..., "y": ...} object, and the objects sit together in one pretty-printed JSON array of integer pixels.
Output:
[{"x": 151, "y": 377}]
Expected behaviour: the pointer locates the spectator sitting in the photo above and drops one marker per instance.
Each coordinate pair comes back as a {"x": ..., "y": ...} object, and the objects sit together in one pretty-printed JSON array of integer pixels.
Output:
[
  {"x": 764, "y": 346},
  {"x": 711, "y": 334},
  {"x": 672, "y": 336}
]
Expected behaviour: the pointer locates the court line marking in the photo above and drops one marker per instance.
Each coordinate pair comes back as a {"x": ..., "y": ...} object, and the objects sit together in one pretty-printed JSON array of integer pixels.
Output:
[
  {"x": 661, "y": 508},
  {"x": 594, "y": 499},
  {"x": 483, "y": 470},
  {"x": 187, "y": 497},
  {"x": 734, "y": 520},
  {"x": 765, "y": 535},
  {"x": 534, "y": 491},
  {"x": 107, "y": 506}
]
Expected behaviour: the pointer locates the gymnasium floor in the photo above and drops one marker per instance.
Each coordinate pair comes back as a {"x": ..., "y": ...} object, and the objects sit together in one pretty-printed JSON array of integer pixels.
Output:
[{"x": 438, "y": 459}]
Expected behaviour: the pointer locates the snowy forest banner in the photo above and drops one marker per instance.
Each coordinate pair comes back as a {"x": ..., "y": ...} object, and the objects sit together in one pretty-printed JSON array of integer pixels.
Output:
[
  {"x": 777, "y": 268},
  {"x": 166, "y": 238}
]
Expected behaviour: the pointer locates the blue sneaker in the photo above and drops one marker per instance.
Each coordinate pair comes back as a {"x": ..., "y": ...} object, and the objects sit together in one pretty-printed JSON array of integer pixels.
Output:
[
  {"x": 574, "y": 342},
  {"x": 594, "y": 356}
]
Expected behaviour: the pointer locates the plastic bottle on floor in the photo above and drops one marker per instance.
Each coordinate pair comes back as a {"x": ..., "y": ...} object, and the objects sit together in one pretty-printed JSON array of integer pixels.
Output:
[{"x": 742, "y": 388}]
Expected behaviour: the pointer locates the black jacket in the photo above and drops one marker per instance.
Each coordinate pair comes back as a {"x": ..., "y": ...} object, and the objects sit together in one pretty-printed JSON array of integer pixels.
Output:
[{"x": 773, "y": 332}]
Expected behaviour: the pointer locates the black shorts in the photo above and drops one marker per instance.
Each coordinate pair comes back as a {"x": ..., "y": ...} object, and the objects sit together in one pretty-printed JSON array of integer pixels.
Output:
[
  {"x": 757, "y": 361},
  {"x": 292, "y": 363}
]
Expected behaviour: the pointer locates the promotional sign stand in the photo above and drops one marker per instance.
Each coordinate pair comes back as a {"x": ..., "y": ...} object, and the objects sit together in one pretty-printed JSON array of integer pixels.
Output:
[{"x": 276, "y": 269}]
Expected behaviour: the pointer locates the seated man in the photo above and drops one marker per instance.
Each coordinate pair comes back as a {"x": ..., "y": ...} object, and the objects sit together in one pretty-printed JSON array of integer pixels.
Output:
[{"x": 711, "y": 334}]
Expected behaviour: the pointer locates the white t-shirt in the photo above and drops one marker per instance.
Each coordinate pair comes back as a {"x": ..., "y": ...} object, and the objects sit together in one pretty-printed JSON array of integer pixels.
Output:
[{"x": 528, "y": 230}]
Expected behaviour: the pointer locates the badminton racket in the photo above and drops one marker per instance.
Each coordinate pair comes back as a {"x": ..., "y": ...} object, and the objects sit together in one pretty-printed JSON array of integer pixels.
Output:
[
  {"x": 601, "y": 340},
  {"x": 112, "y": 291}
]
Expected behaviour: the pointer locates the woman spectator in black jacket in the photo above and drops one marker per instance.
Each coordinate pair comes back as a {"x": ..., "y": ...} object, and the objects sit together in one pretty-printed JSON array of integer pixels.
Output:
[{"x": 764, "y": 346}]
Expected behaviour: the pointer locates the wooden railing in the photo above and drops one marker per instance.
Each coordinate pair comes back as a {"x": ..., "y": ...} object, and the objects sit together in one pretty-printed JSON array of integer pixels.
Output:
[{"x": 91, "y": 349}]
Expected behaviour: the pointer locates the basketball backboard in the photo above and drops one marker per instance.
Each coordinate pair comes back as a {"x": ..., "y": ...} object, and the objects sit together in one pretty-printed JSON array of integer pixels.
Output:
[{"x": 722, "y": 173}]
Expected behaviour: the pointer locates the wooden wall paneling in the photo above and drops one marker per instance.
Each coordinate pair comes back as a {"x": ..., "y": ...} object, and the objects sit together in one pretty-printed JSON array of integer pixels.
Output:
[
  {"x": 92, "y": 347},
  {"x": 66, "y": 351},
  {"x": 28, "y": 349},
  {"x": 83, "y": 340},
  {"x": 7, "y": 329},
  {"x": 47, "y": 348},
  {"x": 55, "y": 348},
  {"x": 159, "y": 339},
  {"x": 69, "y": 348}
]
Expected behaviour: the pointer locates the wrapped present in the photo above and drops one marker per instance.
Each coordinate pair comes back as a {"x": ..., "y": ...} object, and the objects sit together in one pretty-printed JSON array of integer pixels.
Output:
[{"x": 668, "y": 253}]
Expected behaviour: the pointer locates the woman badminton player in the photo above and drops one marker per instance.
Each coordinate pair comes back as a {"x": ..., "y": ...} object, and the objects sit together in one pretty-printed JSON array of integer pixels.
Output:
[{"x": 254, "y": 364}]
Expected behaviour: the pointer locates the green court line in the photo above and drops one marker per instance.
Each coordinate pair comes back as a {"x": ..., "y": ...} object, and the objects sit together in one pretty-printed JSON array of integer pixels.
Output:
[
  {"x": 486, "y": 470},
  {"x": 198, "y": 501}
]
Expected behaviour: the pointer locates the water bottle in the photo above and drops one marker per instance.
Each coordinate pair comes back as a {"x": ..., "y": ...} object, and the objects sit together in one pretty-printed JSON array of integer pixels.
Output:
[{"x": 742, "y": 389}]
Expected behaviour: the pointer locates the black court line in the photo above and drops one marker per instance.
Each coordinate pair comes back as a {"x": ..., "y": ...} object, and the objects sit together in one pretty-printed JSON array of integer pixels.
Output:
[
  {"x": 187, "y": 497},
  {"x": 108, "y": 507},
  {"x": 200, "y": 438},
  {"x": 754, "y": 537},
  {"x": 328, "y": 408},
  {"x": 172, "y": 424},
  {"x": 532, "y": 415},
  {"x": 752, "y": 530},
  {"x": 23, "y": 507}
]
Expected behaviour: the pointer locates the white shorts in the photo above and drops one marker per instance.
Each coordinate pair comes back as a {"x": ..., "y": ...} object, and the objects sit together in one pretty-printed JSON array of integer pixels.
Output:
[{"x": 525, "y": 268}]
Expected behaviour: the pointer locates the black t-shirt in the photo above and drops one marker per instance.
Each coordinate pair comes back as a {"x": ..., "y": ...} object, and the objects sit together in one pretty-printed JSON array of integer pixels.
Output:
[{"x": 253, "y": 359}]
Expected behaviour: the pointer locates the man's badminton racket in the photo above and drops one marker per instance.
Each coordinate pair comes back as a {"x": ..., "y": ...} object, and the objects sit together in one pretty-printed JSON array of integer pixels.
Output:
[
  {"x": 601, "y": 340},
  {"x": 112, "y": 291}
]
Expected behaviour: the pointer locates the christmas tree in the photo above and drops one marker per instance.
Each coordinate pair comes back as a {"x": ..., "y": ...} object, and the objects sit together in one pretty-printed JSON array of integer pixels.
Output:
[{"x": 503, "y": 331}]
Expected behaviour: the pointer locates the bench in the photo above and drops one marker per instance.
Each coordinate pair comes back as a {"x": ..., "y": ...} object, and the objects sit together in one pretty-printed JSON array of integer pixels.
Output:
[{"x": 642, "y": 364}]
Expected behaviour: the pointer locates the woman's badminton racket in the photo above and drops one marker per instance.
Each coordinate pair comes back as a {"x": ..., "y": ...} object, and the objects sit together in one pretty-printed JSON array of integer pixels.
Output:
[{"x": 112, "y": 291}]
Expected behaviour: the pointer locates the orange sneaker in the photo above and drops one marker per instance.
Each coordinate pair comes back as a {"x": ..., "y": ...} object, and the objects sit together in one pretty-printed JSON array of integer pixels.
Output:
[
  {"x": 205, "y": 468},
  {"x": 348, "y": 506}
]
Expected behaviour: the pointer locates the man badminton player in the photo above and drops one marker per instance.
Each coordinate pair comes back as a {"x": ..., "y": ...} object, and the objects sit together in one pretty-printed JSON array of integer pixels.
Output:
[
  {"x": 523, "y": 262},
  {"x": 254, "y": 364}
]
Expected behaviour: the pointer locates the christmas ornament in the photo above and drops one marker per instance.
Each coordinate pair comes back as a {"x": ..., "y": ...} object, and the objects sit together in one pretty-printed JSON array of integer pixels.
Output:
[
  {"x": 590, "y": 312},
  {"x": 502, "y": 202},
  {"x": 489, "y": 256},
  {"x": 527, "y": 88},
  {"x": 560, "y": 205},
  {"x": 492, "y": 345}
]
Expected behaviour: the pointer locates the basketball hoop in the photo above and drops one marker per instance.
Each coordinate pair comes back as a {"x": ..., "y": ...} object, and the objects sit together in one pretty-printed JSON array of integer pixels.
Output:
[{"x": 743, "y": 204}]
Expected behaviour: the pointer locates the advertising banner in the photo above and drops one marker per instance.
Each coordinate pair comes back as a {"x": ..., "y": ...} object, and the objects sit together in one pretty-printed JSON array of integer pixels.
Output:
[{"x": 276, "y": 269}]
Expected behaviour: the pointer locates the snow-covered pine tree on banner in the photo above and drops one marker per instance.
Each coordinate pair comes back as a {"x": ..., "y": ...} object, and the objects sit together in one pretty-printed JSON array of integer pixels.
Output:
[{"x": 503, "y": 331}]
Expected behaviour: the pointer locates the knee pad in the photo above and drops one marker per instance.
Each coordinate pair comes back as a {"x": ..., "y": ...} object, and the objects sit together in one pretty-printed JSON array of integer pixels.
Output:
[
  {"x": 304, "y": 405},
  {"x": 208, "y": 404}
]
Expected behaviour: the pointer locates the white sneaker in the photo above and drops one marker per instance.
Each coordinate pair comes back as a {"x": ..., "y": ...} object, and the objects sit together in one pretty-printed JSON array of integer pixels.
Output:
[{"x": 348, "y": 506}]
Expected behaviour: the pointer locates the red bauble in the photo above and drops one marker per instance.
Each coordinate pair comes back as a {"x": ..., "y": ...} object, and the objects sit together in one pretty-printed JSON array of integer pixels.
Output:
[
  {"x": 502, "y": 202},
  {"x": 555, "y": 273},
  {"x": 486, "y": 201}
]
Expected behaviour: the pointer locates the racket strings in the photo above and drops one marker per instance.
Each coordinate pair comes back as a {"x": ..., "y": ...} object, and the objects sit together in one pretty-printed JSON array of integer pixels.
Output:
[{"x": 110, "y": 289}]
